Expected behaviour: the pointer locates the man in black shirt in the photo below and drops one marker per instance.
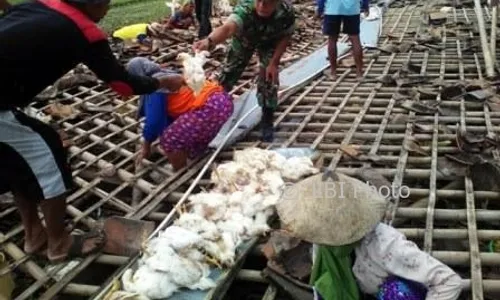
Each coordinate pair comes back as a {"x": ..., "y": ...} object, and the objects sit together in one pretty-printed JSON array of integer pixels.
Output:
[{"x": 40, "y": 42}]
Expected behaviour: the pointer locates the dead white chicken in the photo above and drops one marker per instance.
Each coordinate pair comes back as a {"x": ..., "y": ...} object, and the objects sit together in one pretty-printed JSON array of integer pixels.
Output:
[
  {"x": 254, "y": 158},
  {"x": 252, "y": 205},
  {"x": 176, "y": 237},
  {"x": 197, "y": 224},
  {"x": 148, "y": 282},
  {"x": 210, "y": 205},
  {"x": 236, "y": 224},
  {"x": 223, "y": 251},
  {"x": 192, "y": 254},
  {"x": 297, "y": 167},
  {"x": 276, "y": 160},
  {"x": 259, "y": 225},
  {"x": 271, "y": 182},
  {"x": 193, "y": 71},
  {"x": 37, "y": 114},
  {"x": 232, "y": 176},
  {"x": 183, "y": 272}
]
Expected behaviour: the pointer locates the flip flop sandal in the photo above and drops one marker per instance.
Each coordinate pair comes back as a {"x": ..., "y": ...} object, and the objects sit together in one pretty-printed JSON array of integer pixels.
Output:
[
  {"x": 43, "y": 247},
  {"x": 75, "y": 250},
  {"x": 39, "y": 250}
]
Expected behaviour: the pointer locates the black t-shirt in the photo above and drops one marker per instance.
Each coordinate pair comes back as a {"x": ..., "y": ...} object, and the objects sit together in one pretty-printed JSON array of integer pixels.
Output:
[{"x": 43, "y": 40}]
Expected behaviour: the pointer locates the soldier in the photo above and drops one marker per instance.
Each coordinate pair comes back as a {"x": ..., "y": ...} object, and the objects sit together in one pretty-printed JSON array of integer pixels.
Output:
[{"x": 263, "y": 25}]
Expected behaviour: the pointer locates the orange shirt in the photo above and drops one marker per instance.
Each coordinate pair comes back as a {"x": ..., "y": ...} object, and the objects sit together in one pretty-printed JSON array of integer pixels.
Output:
[{"x": 185, "y": 100}]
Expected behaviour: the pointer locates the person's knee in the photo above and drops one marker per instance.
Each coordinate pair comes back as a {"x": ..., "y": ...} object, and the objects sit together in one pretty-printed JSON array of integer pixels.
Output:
[{"x": 177, "y": 159}]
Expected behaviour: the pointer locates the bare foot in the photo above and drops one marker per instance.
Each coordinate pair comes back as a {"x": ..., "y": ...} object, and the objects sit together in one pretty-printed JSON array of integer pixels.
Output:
[
  {"x": 332, "y": 76},
  {"x": 35, "y": 240},
  {"x": 77, "y": 246}
]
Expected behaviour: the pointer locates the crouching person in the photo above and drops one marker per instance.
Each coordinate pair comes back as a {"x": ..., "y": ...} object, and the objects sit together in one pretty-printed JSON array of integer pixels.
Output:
[
  {"x": 185, "y": 123},
  {"x": 346, "y": 224}
]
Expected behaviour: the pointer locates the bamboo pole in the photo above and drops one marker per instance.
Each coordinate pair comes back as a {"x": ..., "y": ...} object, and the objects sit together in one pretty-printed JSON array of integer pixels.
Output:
[
  {"x": 493, "y": 34},
  {"x": 488, "y": 60},
  {"x": 137, "y": 194}
]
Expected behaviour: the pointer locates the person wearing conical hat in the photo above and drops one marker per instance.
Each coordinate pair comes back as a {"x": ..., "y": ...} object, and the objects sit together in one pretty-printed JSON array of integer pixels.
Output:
[{"x": 341, "y": 216}]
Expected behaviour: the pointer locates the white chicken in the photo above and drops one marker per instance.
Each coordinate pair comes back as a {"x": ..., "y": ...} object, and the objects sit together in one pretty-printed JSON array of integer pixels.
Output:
[
  {"x": 196, "y": 223},
  {"x": 147, "y": 282},
  {"x": 237, "y": 209},
  {"x": 222, "y": 250},
  {"x": 167, "y": 268},
  {"x": 297, "y": 167},
  {"x": 253, "y": 158},
  {"x": 271, "y": 183},
  {"x": 232, "y": 176},
  {"x": 259, "y": 225},
  {"x": 209, "y": 205},
  {"x": 178, "y": 238},
  {"x": 193, "y": 71},
  {"x": 182, "y": 271}
]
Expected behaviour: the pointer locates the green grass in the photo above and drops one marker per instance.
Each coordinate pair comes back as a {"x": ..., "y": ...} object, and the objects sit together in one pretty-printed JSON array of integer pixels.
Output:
[{"x": 127, "y": 12}]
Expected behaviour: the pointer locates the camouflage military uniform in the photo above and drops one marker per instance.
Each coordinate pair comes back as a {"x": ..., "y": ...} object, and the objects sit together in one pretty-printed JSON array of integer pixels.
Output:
[{"x": 256, "y": 33}]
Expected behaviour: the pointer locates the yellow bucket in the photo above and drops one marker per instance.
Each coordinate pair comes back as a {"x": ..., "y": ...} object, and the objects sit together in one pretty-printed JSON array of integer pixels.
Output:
[{"x": 6, "y": 281}]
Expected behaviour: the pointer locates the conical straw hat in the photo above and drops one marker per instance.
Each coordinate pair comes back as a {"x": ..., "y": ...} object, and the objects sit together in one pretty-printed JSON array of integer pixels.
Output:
[{"x": 333, "y": 210}]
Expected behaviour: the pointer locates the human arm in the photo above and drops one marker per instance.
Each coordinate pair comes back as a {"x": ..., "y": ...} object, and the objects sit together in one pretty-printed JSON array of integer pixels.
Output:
[
  {"x": 155, "y": 113},
  {"x": 280, "y": 48},
  {"x": 218, "y": 35},
  {"x": 272, "y": 70},
  {"x": 397, "y": 256},
  {"x": 231, "y": 26},
  {"x": 153, "y": 108},
  {"x": 100, "y": 59}
]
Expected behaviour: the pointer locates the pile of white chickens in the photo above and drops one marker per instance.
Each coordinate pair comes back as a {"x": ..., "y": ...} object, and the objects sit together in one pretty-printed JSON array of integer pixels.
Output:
[{"x": 236, "y": 209}]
